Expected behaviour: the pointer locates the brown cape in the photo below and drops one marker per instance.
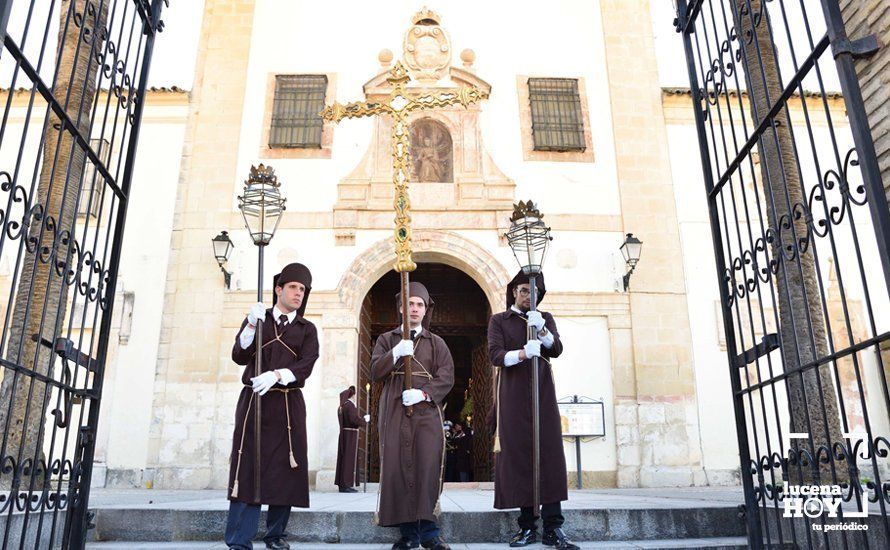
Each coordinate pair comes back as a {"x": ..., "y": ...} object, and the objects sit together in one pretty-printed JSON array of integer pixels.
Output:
[
  {"x": 347, "y": 445},
  {"x": 412, "y": 450},
  {"x": 513, "y": 486},
  {"x": 282, "y": 406}
]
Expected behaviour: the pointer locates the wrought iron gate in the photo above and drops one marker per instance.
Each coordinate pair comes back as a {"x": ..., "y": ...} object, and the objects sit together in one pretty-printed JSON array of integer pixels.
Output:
[
  {"x": 801, "y": 232},
  {"x": 73, "y": 77}
]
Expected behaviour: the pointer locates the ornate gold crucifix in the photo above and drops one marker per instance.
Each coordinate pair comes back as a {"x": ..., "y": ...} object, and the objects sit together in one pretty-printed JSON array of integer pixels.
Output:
[{"x": 401, "y": 104}]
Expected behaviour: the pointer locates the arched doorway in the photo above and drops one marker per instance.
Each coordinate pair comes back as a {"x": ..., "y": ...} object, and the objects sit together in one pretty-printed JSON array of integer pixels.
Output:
[{"x": 461, "y": 319}]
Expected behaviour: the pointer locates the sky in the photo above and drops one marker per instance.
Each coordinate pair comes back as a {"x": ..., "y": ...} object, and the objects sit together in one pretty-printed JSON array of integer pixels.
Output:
[{"x": 176, "y": 48}]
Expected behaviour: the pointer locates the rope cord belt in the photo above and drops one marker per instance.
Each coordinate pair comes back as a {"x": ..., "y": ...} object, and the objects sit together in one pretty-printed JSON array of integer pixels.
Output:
[{"x": 290, "y": 448}]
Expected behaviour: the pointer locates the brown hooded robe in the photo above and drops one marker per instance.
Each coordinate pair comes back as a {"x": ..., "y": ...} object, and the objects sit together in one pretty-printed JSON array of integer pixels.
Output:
[
  {"x": 513, "y": 480},
  {"x": 347, "y": 446},
  {"x": 412, "y": 450},
  {"x": 284, "y": 473}
]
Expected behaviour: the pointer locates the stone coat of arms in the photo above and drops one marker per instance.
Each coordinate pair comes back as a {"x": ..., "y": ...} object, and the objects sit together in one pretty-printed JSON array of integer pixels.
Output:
[{"x": 427, "y": 49}]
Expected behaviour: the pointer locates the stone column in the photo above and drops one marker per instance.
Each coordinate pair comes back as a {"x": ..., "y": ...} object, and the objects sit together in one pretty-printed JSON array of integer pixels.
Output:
[
  {"x": 185, "y": 410},
  {"x": 655, "y": 405}
]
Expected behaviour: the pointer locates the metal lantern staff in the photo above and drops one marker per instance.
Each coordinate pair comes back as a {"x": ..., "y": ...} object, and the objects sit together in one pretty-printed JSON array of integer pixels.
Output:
[
  {"x": 261, "y": 205},
  {"x": 528, "y": 237},
  {"x": 367, "y": 437}
]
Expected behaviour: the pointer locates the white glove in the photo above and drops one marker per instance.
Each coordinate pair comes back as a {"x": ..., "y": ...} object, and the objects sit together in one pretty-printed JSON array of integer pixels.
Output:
[
  {"x": 532, "y": 348},
  {"x": 535, "y": 319},
  {"x": 403, "y": 348},
  {"x": 257, "y": 311},
  {"x": 412, "y": 397},
  {"x": 264, "y": 382},
  {"x": 367, "y": 418}
]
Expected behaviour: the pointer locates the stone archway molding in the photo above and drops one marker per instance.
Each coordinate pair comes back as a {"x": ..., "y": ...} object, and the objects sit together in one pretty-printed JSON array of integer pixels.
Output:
[{"x": 430, "y": 246}]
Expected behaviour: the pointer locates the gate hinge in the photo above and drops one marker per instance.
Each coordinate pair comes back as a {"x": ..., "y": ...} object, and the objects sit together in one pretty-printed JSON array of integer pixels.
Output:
[
  {"x": 767, "y": 344},
  {"x": 863, "y": 47}
]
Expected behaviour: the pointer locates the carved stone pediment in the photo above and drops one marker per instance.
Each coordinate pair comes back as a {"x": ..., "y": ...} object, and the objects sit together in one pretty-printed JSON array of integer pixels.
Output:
[{"x": 451, "y": 170}]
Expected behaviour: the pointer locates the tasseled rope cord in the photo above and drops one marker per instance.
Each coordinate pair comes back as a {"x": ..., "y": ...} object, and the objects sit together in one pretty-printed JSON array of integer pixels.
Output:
[{"x": 240, "y": 449}]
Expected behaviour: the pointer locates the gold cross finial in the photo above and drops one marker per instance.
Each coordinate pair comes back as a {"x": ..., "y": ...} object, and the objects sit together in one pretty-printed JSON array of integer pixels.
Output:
[{"x": 400, "y": 105}]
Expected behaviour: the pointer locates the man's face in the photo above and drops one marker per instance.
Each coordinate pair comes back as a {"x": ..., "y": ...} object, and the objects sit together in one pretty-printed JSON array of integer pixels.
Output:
[
  {"x": 522, "y": 296},
  {"x": 416, "y": 311},
  {"x": 290, "y": 296}
]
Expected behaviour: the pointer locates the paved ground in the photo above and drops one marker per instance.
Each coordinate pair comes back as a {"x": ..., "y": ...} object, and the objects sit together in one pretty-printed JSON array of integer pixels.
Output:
[
  {"x": 650, "y": 544},
  {"x": 453, "y": 500}
]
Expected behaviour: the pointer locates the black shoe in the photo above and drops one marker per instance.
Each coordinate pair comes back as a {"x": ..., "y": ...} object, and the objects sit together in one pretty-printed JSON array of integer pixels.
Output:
[
  {"x": 347, "y": 490},
  {"x": 558, "y": 539},
  {"x": 278, "y": 544},
  {"x": 436, "y": 544},
  {"x": 524, "y": 537},
  {"x": 404, "y": 544}
]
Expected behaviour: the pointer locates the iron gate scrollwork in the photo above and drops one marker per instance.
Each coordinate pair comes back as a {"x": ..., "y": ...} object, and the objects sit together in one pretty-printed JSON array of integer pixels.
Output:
[
  {"x": 73, "y": 80},
  {"x": 800, "y": 230}
]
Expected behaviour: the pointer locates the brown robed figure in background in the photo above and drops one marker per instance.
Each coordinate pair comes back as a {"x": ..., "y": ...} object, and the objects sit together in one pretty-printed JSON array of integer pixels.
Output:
[
  {"x": 510, "y": 351},
  {"x": 412, "y": 448},
  {"x": 347, "y": 446},
  {"x": 290, "y": 349}
]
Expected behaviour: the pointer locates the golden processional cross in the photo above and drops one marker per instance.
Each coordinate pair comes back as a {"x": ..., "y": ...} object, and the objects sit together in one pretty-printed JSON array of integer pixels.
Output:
[{"x": 400, "y": 105}]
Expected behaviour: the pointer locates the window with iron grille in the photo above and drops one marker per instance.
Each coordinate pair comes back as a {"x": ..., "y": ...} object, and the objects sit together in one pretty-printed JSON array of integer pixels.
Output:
[
  {"x": 556, "y": 114},
  {"x": 295, "y": 111},
  {"x": 93, "y": 182}
]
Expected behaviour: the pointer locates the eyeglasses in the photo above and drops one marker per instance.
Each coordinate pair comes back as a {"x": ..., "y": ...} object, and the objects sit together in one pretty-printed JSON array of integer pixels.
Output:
[{"x": 523, "y": 291}]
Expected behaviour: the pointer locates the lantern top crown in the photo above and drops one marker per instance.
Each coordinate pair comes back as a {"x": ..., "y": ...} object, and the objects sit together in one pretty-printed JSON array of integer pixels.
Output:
[
  {"x": 525, "y": 210},
  {"x": 262, "y": 174}
]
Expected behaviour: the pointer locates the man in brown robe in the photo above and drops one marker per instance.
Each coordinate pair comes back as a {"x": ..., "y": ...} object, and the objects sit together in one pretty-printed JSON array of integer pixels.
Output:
[
  {"x": 347, "y": 446},
  {"x": 412, "y": 449},
  {"x": 290, "y": 348},
  {"x": 511, "y": 351}
]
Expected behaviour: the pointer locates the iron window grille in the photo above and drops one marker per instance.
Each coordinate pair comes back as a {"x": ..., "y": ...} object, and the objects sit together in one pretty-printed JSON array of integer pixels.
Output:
[
  {"x": 556, "y": 114},
  {"x": 93, "y": 182},
  {"x": 296, "y": 121}
]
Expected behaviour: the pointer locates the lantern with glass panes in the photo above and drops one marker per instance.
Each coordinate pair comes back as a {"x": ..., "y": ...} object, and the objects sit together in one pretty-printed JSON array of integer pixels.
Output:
[
  {"x": 222, "y": 248},
  {"x": 631, "y": 250}
]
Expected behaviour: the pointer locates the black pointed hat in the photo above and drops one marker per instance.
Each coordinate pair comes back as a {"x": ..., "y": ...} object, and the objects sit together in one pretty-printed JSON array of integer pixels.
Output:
[
  {"x": 522, "y": 278},
  {"x": 293, "y": 273}
]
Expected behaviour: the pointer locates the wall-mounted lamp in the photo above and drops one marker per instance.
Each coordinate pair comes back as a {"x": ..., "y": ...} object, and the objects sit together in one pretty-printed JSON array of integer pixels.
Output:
[
  {"x": 631, "y": 251},
  {"x": 222, "y": 248}
]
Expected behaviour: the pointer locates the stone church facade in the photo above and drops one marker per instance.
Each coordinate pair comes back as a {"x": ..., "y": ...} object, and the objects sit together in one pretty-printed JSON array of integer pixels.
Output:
[{"x": 653, "y": 354}]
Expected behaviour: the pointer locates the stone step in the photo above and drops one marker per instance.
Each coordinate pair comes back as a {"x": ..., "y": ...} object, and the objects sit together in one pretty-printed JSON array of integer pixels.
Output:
[
  {"x": 130, "y": 524},
  {"x": 715, "y": 543}
]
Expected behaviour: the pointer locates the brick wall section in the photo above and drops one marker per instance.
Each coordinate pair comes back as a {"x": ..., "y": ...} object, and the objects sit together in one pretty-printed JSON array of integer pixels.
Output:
[{"x": 864, "y": 17}]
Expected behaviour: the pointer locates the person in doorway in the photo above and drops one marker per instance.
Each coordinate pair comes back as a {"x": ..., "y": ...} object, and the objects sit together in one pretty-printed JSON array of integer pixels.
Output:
[
  {"x": 463, "y": 453},
  {"x": 350, "y": 421},
  {"x": 412, "y": 447},
  {"x": 511, "y": 351},
  {"x": 276, "y": 473}
]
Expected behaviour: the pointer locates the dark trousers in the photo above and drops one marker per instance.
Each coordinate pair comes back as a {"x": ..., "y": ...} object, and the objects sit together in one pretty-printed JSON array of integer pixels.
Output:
[
  {"x": 243, "y": 522},
  {"x": 419, "y": 531},
  {"x": 552, "y": 514}
]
